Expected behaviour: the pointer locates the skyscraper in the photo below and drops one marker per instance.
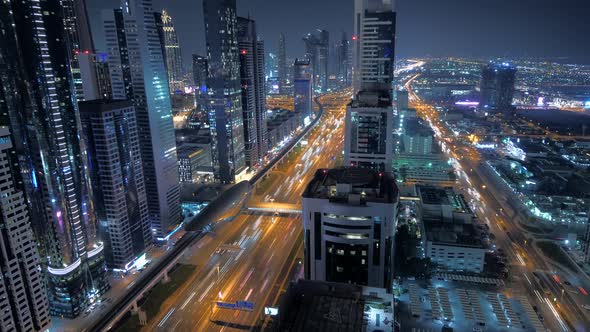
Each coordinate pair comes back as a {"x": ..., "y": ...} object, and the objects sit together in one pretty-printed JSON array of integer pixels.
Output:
[
  {"x": 316, "y": 50},
  {"x": 368, "y": 139},
  {"x": 349, "y": 219},
  {"x": 497, "y": 86},
  {"x": 45, "y": 126},
  {"x": 282, "y": 64},
  {"x": 303, "y": 93},
  {"x": 341, "y": 57},
  {"x": 201, "y": 95},
  {"x": 110, "y": 132},
  {"x": 172, "y": 54},
  {"x": 374, "y": 45},
  {"x": 134, "y": 27},
  {"x": 253, "y": 91},
  {"x": 223, "y": 82}
]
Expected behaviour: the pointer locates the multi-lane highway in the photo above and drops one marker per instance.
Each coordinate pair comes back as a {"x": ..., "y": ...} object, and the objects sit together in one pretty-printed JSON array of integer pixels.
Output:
[
  {"x": 251, "y": 257},
  {"x": 531, "y": 275}
]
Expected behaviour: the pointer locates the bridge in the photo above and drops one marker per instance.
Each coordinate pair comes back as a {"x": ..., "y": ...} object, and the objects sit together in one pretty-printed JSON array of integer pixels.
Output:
[{"x": 274, "y": 207}]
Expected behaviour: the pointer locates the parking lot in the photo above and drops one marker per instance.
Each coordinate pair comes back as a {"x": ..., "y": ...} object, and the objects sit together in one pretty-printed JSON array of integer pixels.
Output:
[{"x": 475, "y": 305}]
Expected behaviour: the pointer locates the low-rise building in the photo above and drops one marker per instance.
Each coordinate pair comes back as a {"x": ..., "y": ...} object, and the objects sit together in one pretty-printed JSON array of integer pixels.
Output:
[
  {"x": 349, "y": 217},
  {"x": 194, "y": 162},
  {"x": 444, "y": 204}
]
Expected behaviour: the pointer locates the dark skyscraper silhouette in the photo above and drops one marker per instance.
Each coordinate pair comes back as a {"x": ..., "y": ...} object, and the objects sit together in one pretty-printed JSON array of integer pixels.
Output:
[
  {"x": 497, "y": 87},
  {"x": 282, "y": 64},
  {"x": 316, "y": 50}
]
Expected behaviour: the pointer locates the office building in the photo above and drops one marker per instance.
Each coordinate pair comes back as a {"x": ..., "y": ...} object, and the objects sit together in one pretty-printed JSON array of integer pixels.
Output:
[
  {"x": 421, "y": 168},
  {"x": 316, "y": 50},
  {"x": 45, "y": 127},
  {"x": 194, "y": 163},
  {"x": 402, "y": 100},
  {"x": 110, "y": 132},
  {"x": 23, "y": 297},
  {"x": 368, "y": 139},
  {"x": 283, "y": 73},
  {"x": 135, "y": 53},
  {"x": 417, "y": 138},
  {"x": 253, "y": 92},
  {"x": 303, "y": 93},
  {"x": 349, "y": 218},
  {"x": 374, "y": 44},
  {"x": 172, "y": 54},
  {"x": 223, "y": 82},
  {"x": 341, "y": 60},
  {"x": 497, "y": 86},
  {"x": 272, "y": 66},
  {"x": 201, "y": 96}
]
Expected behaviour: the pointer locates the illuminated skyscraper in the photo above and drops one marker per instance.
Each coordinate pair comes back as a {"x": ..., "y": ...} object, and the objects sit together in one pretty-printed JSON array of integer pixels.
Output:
[
  {"x": 302, "y": 81},
  {"x": 282, "y": 64},
  {"x": 201, "y": 96},
  {"x": 172, "y": 54},
  {"x": 497, "y": 86},
  {"x": 133, "y": 42},
  {"x": 253, "y": 91},
  {"x": 45, "y": 125},
  {"x": 110, "y": 132},
  {"x": 223, "y": 83},
  {"x": 316, "y": 50},
  {"x": 374, "y": 44}
]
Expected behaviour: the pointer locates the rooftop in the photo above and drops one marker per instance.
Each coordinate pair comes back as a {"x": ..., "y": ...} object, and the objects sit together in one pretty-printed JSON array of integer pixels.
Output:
[
  {"x": 455, "y": 234},
  {"x": 442, "y": 196},
  {"x": 341, "y": 184},
  {"x": 322, "y": 306}
]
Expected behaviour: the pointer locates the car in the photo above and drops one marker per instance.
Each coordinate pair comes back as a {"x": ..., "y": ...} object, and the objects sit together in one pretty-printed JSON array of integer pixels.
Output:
[
  {"x": 586, "y": 306},
  {"x": 567, "y": 283}
]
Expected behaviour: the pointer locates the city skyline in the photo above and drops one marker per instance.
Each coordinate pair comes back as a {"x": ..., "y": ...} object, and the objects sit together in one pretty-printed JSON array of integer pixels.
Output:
[{"x": 541, "y": 29}]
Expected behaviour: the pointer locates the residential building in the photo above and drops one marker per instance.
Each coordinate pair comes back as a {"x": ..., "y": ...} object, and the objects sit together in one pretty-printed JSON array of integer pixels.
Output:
[
  {"x": 302, "y": 87},
  {"x": 110, "y": 132},
  {"x": 45, "y": 126},
  {"x": 349, "y": 218},
  {"x": 172, "y": 54},
  {"x": 225, "y": 96},
  {"x": 253, "y": 92},
  {"x": 368, "y": 139},
  {"x": 135, "y": 28}
]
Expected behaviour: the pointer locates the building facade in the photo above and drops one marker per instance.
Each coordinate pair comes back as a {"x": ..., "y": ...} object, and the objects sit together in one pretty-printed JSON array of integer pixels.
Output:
[
  {"x": 317, "y": 51},
  {"x": 110, "y": 133},
  {"x": 135, "y": 24},
  {"x": 349, "y": 218},
  {"x": 497, "y": 86},
  {"x": 223, "y": 82},
  {"x": 45, "y": 124},
  {"x": 368, "y": 139},
  {"x": 374, "y": 44},
  {"x": 253, "y": 92},
  {"x": 283, "y": 73},
  {"x": 172, "y": 54},
  {"x": 302, "y": 82}
]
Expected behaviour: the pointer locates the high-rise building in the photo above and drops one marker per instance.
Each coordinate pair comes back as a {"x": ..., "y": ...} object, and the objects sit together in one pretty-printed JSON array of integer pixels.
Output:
[
  {"x": 201, "y": 95},
  {"x": 316, "y": 50},
  {"x": 374, "y": 44},
  {"x": 223, "y": 83},
  {"x": 368, "y": 139},
  {"x": 417, "y": 138},
  {"x": 110, "y": 133},
  {"x": 172, "y": 54},
  {"x": 303, "y": 93},
  {"x": 253, "y": 91},
  {"x": 341, "y": 56},
  {"x": 45, "y": 124},
  {"x": 402, "y": 100},
  {"x": 349, "y": 220},
  {"x": 282, "y": 65},
  {"x": 23, "y": 295},
  {"x": 271, "y": 63},
  {"x": 135, "y": 54},
  {"x": 497, "y": 86}
]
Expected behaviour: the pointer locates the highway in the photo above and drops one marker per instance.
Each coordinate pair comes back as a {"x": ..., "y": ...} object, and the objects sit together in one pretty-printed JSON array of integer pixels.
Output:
[
  {"x": 531, "y": 273},
  {"x": 251, "y": 257}
]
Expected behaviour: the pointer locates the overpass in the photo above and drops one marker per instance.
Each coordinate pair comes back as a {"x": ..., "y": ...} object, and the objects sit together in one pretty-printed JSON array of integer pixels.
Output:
[
  {"x": 222, "y": 208},
  {"x": 274, "y": 207}
]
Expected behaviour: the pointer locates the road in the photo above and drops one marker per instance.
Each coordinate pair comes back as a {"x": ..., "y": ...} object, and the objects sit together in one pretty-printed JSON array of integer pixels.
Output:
[
  {"x": 251, "y": 257},
  {"x": 531, "y": 274}
]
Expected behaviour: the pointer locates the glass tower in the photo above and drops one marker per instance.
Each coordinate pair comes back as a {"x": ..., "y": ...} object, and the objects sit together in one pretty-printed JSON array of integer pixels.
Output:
[{"x": 172, "y": 54}]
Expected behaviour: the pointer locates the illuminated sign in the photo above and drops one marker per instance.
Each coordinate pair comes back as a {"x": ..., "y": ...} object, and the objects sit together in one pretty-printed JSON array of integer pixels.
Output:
[
  {"x": 271, "y": 311},
  {"x": 238, "y": 305},
  {"x": 467, "y": 103}
]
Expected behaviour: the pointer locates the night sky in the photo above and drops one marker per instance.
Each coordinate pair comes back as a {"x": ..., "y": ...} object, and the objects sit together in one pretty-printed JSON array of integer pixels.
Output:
[{"x": 557, "y": 29}]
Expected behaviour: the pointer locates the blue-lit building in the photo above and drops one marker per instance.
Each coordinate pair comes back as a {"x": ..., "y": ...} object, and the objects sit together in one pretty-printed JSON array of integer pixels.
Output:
[
  {"x": 497, "y": 86},
  {"x": 223, "y": 84},
  {"x": 110, "y": 132},
  {"x": 302, "y": 82},
  {"x": 132, "y": 40},
  {"x": 45, "y": 124}
]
